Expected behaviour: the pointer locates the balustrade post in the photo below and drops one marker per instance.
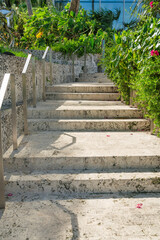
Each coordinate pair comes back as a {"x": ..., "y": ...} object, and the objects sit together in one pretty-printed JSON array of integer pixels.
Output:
[
  {"x": 2, "y": 185},
  {"x": 73, "y": 73},
  {"x": 85, "y": 61},
  {"x": 34, "y": 81},
  {"x": 25, "y": 103},
  {"x": 44, "y": 80},
  {"x": 51, "y": 68},
  {"x": 103, "y": 52},
  {"x": 151, "y": 126},
  {"x": 14, "y": 112},
  {"x": 131, "y": 98}
]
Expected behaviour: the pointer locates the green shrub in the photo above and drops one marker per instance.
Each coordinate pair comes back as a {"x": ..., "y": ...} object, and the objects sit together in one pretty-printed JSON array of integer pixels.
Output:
[
  {"x": 62, "y": 31},
  {"x": 130, "y": 64}
]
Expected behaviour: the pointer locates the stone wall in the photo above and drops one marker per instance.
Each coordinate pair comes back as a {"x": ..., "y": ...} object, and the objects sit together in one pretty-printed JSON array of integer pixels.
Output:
[
  {"x": 59, "y": 58},
  {"x": 7, "y": 126}
]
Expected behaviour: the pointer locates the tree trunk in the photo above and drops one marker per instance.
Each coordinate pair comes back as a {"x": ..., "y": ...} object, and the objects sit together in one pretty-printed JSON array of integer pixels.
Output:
[
  {"x": 74, "y": 6},
  {"x": 29, "y": 7},
  {"x": 93, "y": 5}
]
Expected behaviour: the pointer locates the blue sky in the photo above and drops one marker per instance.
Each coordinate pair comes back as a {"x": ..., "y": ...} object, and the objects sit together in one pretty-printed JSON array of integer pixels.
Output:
[{"x": 111, "y": 5}]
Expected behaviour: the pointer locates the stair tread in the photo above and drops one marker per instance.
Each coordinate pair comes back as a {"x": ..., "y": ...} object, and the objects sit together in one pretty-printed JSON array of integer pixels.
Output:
[
  {"x": 90, "y": 93},
  {"x": 88, "y": 120},
  {"x": 47, "y": 107},
  {"x": 84, "y": 84},
  {"x": 87, "y": 103},
  {"x": 68, "y": 144},
  {"x": 87, "y": 175}
]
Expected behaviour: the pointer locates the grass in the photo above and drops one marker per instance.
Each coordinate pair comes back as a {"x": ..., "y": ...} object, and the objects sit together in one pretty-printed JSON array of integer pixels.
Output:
[{"x": 17, "y": 52}]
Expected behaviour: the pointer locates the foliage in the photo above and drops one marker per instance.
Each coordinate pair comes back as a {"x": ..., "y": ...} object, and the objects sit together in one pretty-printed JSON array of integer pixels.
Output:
[
  {"x": 105, "y": 18},
  {"x": 15, "y": 52},
  {"x": 63, "y": 31},
  {"x": 148, "y": 88},
  {"x": 6, "y": 33},
  {"x": 10, "y": 3},
  {"x": 132, "y": 63}
]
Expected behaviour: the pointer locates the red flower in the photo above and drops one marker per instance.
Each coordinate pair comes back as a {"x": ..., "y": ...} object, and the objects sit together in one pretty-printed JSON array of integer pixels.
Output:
[
  {"x": 156, "y": 52},
  {"x": 151, "y": 4},
  {"x": 139, "y": 205},
  {"x": 153, "y": 53}
]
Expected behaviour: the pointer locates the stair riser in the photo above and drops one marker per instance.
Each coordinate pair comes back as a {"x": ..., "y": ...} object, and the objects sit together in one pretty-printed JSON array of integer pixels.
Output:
[
  {"x": 81, "y": 163},
  {"x": 96, "y": 126},
  {"x": 79, "y": 89},
  {"x": 83, "y": 186},
  {"x": 84, "y": 114},
  {"x": 94, "y": 97}
]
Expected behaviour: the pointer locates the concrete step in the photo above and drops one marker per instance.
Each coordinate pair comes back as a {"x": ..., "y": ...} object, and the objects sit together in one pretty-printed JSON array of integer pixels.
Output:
[
  {"x": 88, "y": 124},
  {"x": 86, "y": 182},
  {"x": 100, "y": 163},
  {"x": 83, "y": 88},
  {"x": 83, "y": 150},
  {"x": 83, "y": 96},
  {"x": 83, "y": 112},
  {"x": 86, "y": 103},
  {"x": 81, "y": 217},
  {"x": 95, "y": 78}
]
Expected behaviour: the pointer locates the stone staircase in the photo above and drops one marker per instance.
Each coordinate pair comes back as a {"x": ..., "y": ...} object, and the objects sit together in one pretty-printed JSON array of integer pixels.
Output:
[
  {"x": 87, "y": 107},
  {"x": 84, "y": 140}
]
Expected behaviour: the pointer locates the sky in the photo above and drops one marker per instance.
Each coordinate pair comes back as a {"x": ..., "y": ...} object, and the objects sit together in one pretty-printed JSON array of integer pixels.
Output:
[{"x": 111, "y": 5}]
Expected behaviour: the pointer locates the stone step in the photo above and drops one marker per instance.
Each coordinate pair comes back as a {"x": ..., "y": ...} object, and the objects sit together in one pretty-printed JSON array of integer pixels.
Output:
[
  {"x": 101, "y": 163},
  {"x": 82, "y": 88},
  {"x": 83, "y": 112},
  {"x": 83, "y": 96},
  {"x": 83, "y": 150},
  {"x": 94, "y": 78},
  {"x": 81, "y": 217},
  {"x": 88, "y": 124},
  {"x": 74, "y": 103},
  {"x": 86, "y": 182}
]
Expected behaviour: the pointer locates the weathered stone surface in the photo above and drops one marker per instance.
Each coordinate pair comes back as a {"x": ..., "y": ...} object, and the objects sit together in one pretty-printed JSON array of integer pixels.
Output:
[
  {"x": 88, "y": 124},
  {"x": 62, "y": 73},
  {"x": 84, "y": 151},
  {"x": 83, "y": 96},
  {"x": 83, "y": 112},
  {"x": 7, "y": 125},
  {"x": 83, "y": 165},
  {"x": 74, "y": 103},
  {"x": 87, "y": 217},
  {"x": 86, "y": 182},
  {"x": 95, "y": 77},
  {"x": 83, "y": 87}
]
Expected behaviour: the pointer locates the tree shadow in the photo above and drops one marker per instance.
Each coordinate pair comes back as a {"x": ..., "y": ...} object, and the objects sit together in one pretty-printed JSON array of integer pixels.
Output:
[
  {"x": 74, "y": 221},
  {"x": 1, "y": 213}
]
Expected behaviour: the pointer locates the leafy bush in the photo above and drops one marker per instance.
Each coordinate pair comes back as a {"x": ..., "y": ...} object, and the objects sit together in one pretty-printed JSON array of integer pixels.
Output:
[
  {"x": 62, "y": 31},
  {"x": 6, "y": 33},
  {"x": 133, "y": 60},
  {"x": 15, "y": 52}
]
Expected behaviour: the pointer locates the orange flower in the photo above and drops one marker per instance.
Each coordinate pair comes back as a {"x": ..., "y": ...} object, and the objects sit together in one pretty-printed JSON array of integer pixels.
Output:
[{"x": 39, "y": 35}]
